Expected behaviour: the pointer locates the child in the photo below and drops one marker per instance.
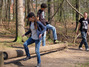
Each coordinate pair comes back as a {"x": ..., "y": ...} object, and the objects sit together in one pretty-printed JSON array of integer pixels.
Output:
[
  {"x": 41, "y": 17},
  {"x": 36, "y": 29}
]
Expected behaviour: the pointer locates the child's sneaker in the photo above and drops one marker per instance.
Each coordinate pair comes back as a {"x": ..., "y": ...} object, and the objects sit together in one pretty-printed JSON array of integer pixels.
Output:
[
  {"x": 87, "y": 49},
  {"x": 27, "y": 58},
  {"x": 38, "y": 65},
  {"x": 56, "y": 41},
  {"x": 80, "y": 48}
]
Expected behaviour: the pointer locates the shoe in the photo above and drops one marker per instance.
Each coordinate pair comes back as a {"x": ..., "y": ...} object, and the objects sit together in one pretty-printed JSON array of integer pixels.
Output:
[
  {"x": 27, "y": 58},
  {"x": 38, "y": 65},
  {"x": 87, "y": 49},
  {"x": 56, "y": 41},
  {"x": 80, "y": 48}
]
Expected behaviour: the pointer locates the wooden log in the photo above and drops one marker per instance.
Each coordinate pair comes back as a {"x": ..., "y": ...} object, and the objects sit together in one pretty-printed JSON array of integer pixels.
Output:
[
  {"x": 14, "y": 53},
  {"x": 1, "y": 59},
  {"x": 19, "y": 53}
]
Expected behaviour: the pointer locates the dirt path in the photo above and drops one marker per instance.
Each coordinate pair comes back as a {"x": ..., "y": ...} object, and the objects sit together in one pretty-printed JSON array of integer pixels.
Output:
[{"x": 71, "y": 57}]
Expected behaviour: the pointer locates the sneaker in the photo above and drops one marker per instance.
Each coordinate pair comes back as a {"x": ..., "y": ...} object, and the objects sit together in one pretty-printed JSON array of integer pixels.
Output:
[
  {"x": 87, "y": 49},
  {"x": 80, "y": 48},
  {"x": 27, "y": 58},
  {"x": 56, "y": 41},
  {"x": 38, "y": 65}
]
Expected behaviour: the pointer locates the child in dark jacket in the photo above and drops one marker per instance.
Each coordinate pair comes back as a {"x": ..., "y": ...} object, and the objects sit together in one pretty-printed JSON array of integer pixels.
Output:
[{"x": 41, "y": 17}]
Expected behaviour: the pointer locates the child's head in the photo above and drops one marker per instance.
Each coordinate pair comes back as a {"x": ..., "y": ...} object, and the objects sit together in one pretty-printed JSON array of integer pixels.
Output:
[
  {"x": 43, "y": 6},
  {"x": 31, "y": 16}
]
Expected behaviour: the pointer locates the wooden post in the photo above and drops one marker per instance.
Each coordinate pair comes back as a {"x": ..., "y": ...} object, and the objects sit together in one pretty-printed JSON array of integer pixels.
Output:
[{"x": 1, "y": 59}]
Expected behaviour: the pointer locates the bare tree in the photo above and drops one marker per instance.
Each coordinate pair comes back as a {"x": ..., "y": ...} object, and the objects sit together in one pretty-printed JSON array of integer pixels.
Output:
[
  {"x": 9, "y": 4},
  {"x": 36, "y": 6},
  {"x": 49, "y": 9},
  {"x": 50, "y": 14},
  {"x": 14, "y": 9},
  {"x": 77, "y": 14},
  {"x": 19, "y": 20},
  {"x": 26, "y": 7},
  {"x": 1, "y": 11}
]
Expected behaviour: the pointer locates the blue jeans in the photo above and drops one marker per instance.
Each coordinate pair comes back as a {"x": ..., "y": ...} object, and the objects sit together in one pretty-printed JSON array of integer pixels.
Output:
[
  {"x": 37, "y": 46},
  {"x": 48, "y": 26},
  {"x": 44, "y": 39},
  {"x": 84, "y": 39}
]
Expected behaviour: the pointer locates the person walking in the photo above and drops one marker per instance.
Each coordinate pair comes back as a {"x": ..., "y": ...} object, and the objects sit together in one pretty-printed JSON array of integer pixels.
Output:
[{"x": 83, "y": 27}]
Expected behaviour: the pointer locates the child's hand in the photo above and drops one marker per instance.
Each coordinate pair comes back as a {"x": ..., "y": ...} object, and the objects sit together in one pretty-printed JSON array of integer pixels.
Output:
[
  {"x": 23, "y": 35},
  {"x": 88, "y": 33},
  {"x": 40, "y": 35}
]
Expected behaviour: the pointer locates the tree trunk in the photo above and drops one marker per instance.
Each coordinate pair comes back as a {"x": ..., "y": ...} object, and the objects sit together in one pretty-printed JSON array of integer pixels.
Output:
[
  {"x": 28, "y": 5},
  {"x": 3, "y": 10},
  {"x": 14, "y": 10},
  {"x": 77, "y": 14},
  {"x": 1, "y": 3},
  {"x": 50, "y": 14},
  {"x": 49, "y": 10},
  {"x": 32, "y": 7},
  {"x": 36, "y": 6},
  {"x": 8, "y": 11},
  {"x": 61, "y": 12},
  {"x": 19, "y": 20},
  {"x": 25, "y": 8}
]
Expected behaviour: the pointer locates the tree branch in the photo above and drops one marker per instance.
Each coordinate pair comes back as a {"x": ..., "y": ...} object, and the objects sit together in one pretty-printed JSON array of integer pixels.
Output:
[
  {"x": 74, "y": 8},
  {"x": 56, "y": 11}
]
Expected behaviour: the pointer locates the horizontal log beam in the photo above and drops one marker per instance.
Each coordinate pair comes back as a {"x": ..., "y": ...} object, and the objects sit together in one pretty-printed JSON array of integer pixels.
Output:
[{"x": 18, "y": 53}]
